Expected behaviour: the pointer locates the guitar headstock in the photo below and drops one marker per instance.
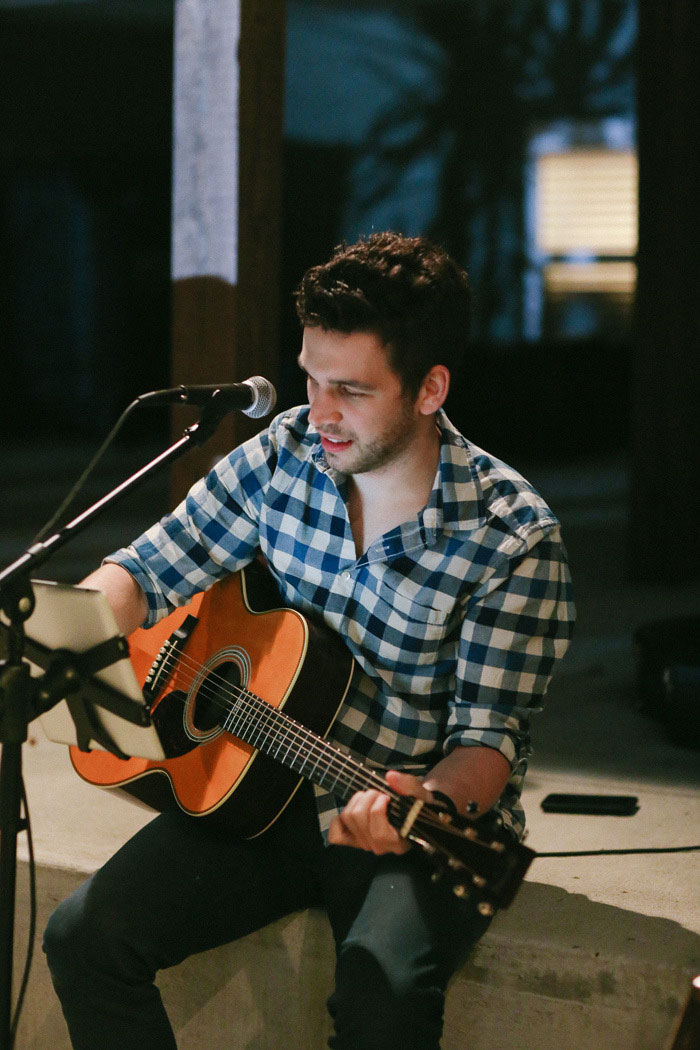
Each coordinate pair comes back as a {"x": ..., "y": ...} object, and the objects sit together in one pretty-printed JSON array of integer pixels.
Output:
[{"x": 479, "y": 858}]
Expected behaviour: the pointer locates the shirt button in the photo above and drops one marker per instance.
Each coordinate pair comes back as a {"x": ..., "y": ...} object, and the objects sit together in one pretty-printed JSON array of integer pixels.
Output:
[{"x": 346, "y": 574}]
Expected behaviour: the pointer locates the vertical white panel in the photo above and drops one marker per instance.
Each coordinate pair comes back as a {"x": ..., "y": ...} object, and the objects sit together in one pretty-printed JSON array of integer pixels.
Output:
[{"x": 205, "y": 139}]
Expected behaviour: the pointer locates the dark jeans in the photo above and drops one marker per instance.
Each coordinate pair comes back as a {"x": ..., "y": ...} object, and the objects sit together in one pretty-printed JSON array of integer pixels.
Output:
[{"x": 178, "y": 888}]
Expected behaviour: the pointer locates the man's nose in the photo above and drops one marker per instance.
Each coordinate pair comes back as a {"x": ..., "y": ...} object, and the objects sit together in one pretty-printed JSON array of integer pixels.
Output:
[{"x": 324, "y": 408}]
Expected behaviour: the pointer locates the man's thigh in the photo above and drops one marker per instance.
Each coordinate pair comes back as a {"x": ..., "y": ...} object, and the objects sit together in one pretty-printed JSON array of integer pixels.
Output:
[
  {"x": 179, "y": 886},
  {"x": 391, "y": 906}
]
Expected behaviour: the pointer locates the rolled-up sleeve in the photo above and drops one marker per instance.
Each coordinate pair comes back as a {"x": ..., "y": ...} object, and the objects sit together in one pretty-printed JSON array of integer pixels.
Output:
[{"x": 515, "y": 628}]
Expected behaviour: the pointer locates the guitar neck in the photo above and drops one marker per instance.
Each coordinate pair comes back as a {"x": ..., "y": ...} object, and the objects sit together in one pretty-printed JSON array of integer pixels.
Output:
[
  {"x": 298, "y": 748},
  {"x": 463, "y": 853}
]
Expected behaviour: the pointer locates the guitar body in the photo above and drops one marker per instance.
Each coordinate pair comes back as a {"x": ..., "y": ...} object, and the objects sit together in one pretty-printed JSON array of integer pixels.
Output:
[{"x": 241, "y": 637}]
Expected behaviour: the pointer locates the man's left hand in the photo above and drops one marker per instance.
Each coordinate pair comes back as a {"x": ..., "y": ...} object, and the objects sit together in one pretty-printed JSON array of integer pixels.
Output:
[{"x": 363, "y": 822}]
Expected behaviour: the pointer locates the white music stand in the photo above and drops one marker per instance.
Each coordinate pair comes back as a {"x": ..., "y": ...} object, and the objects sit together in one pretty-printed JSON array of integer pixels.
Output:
[{"x": 77, "y": 620}]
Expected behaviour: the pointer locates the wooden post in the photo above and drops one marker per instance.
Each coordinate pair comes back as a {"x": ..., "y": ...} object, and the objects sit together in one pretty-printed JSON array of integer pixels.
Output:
[{"x": 227, "y": 170}]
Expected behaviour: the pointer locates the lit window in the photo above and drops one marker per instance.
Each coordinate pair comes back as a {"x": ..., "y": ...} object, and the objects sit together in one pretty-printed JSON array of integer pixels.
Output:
[{"x": 582, "y": 231}]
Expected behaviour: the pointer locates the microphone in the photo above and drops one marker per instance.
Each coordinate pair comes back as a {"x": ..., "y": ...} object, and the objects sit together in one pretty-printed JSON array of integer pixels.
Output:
[{"x": 255, "y": 397}]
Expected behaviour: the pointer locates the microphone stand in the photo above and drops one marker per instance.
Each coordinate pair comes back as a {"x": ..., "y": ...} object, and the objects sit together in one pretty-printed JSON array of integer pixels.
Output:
[{"x": 19, "y": 692}]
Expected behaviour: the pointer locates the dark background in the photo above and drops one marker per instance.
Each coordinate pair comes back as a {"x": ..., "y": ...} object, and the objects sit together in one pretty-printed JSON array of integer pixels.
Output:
[{"x": 85, "y": 156}]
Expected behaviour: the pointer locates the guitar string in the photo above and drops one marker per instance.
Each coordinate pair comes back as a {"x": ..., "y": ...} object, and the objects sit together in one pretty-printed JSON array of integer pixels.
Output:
[
  {"x": 426, "y": 817},
  {"x": 351, "y": 774},
  {"x": 276, "y": 729},
  {"x": 281, "y": 729}
]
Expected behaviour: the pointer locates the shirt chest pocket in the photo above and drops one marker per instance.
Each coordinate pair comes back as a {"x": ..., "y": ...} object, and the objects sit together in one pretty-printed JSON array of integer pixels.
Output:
[{"x": 405, "y": 625}]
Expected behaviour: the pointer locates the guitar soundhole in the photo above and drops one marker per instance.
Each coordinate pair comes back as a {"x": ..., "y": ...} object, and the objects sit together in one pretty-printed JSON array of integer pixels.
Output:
[{"x": 215, "y": 696}]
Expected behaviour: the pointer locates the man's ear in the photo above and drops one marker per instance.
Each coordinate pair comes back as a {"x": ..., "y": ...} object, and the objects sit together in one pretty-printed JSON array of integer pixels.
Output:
[{"x": 433, "y": 390}]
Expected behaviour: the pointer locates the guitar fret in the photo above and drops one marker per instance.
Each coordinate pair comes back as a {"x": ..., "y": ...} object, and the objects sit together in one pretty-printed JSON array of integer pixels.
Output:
[
  {"x": 235, "y": 718},
  {"x": 313, "y": 772},
  {"x": 296, "y": 747},
  {"x": 301, "y": 750}
]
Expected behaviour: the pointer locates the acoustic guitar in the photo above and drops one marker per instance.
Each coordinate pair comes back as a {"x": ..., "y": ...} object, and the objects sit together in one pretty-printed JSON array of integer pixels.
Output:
[{"x": 243, "y": 694}]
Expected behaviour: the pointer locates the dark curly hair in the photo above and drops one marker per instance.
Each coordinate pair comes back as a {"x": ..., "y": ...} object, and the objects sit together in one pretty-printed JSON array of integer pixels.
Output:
[{"x": 405, "y": 290}]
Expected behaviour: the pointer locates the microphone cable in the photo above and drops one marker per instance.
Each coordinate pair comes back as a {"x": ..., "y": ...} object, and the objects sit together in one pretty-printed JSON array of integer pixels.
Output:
[
  {"x": 75, "y": 489},
  {"x": 263, "y": 397},
  {"x": 616, "y": 852}
]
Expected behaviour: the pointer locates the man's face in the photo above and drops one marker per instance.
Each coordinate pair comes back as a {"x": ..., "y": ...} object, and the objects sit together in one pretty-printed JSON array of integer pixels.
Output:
[{"x": 358, "y": 406}]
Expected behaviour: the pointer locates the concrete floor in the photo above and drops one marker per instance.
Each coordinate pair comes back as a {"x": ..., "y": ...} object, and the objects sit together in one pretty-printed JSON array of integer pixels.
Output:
[{"x": 635, "y": 910}]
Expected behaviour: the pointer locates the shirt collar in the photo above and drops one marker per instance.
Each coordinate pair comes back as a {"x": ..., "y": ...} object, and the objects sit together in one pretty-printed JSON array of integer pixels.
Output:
[{"x": 456, "y": 501}]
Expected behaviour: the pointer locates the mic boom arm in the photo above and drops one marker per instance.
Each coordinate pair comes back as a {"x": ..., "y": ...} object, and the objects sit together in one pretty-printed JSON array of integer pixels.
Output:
[{"x": 255, "y": 397}]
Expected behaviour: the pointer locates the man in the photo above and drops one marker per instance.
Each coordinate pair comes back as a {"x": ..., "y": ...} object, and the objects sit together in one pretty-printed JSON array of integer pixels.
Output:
[{"x": 443, "y": 572}]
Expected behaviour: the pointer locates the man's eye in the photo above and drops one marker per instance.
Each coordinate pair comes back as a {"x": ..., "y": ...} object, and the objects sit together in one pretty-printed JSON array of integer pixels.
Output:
[{"x": 348, "y": 392}]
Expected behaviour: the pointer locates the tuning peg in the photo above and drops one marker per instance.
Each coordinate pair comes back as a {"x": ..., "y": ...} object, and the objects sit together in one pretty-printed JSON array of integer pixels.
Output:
[{"x": 486, "y": 909}]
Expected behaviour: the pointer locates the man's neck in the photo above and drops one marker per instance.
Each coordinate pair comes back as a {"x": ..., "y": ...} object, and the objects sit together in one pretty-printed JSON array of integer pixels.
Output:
[{"x": 380, "y": 500}]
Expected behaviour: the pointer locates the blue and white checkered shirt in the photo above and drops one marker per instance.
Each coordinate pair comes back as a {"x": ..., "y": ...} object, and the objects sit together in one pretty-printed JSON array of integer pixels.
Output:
[{"x": 455, "y": 619}]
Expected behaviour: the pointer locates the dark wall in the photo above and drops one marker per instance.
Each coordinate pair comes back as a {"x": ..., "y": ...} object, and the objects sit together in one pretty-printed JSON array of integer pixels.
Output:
[
  {"x": 665, "y": 441},
  {"x": 85, "y": 158},
  {"x": 436, "y": 144}
]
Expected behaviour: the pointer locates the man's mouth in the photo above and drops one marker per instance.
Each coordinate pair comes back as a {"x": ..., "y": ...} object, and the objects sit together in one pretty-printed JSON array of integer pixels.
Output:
[{"x": 330, "y": 444}]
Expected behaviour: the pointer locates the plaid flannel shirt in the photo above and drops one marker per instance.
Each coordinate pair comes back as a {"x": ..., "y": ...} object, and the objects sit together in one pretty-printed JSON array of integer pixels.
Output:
[{"x": 455, "y": 619}]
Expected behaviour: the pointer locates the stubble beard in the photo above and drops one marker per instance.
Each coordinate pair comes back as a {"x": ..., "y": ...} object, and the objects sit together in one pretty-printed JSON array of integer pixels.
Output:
[{"x": 384, "y": 449}]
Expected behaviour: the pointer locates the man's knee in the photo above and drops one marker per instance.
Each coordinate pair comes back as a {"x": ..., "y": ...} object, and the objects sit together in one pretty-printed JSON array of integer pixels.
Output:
[
  {"x": 83, "y": 935},
  {"x": 381, "y": 1003},
  {"x": 66, "y": 940}
]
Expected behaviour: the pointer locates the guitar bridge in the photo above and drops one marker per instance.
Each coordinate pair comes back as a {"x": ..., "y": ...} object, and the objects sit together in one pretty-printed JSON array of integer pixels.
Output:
[{"x": 162, "y": 666}]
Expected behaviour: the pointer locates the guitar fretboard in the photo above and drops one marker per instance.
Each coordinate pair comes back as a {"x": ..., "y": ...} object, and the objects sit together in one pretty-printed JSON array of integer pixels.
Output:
[{"x": 298, "y": 748}]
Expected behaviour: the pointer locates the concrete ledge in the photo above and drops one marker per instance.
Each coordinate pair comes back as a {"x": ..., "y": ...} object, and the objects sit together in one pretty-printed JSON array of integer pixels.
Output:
[{"x": 555, "y": 970}]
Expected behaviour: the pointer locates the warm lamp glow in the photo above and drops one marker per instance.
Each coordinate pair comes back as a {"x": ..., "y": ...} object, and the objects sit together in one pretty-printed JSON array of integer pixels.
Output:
[
  {"x": 607, "y": 278},
  {"x": 587, "y": 202}
]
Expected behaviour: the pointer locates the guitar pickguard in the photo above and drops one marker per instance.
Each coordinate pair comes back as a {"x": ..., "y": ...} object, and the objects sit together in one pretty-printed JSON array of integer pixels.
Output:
[
  {"x": 168, "y": 720},
  {"x": 186, "y": 719}
]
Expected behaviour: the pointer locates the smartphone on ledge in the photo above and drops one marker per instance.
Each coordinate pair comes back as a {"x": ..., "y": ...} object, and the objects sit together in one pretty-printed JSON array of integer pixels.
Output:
[{"x": 594, "y": 805}]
